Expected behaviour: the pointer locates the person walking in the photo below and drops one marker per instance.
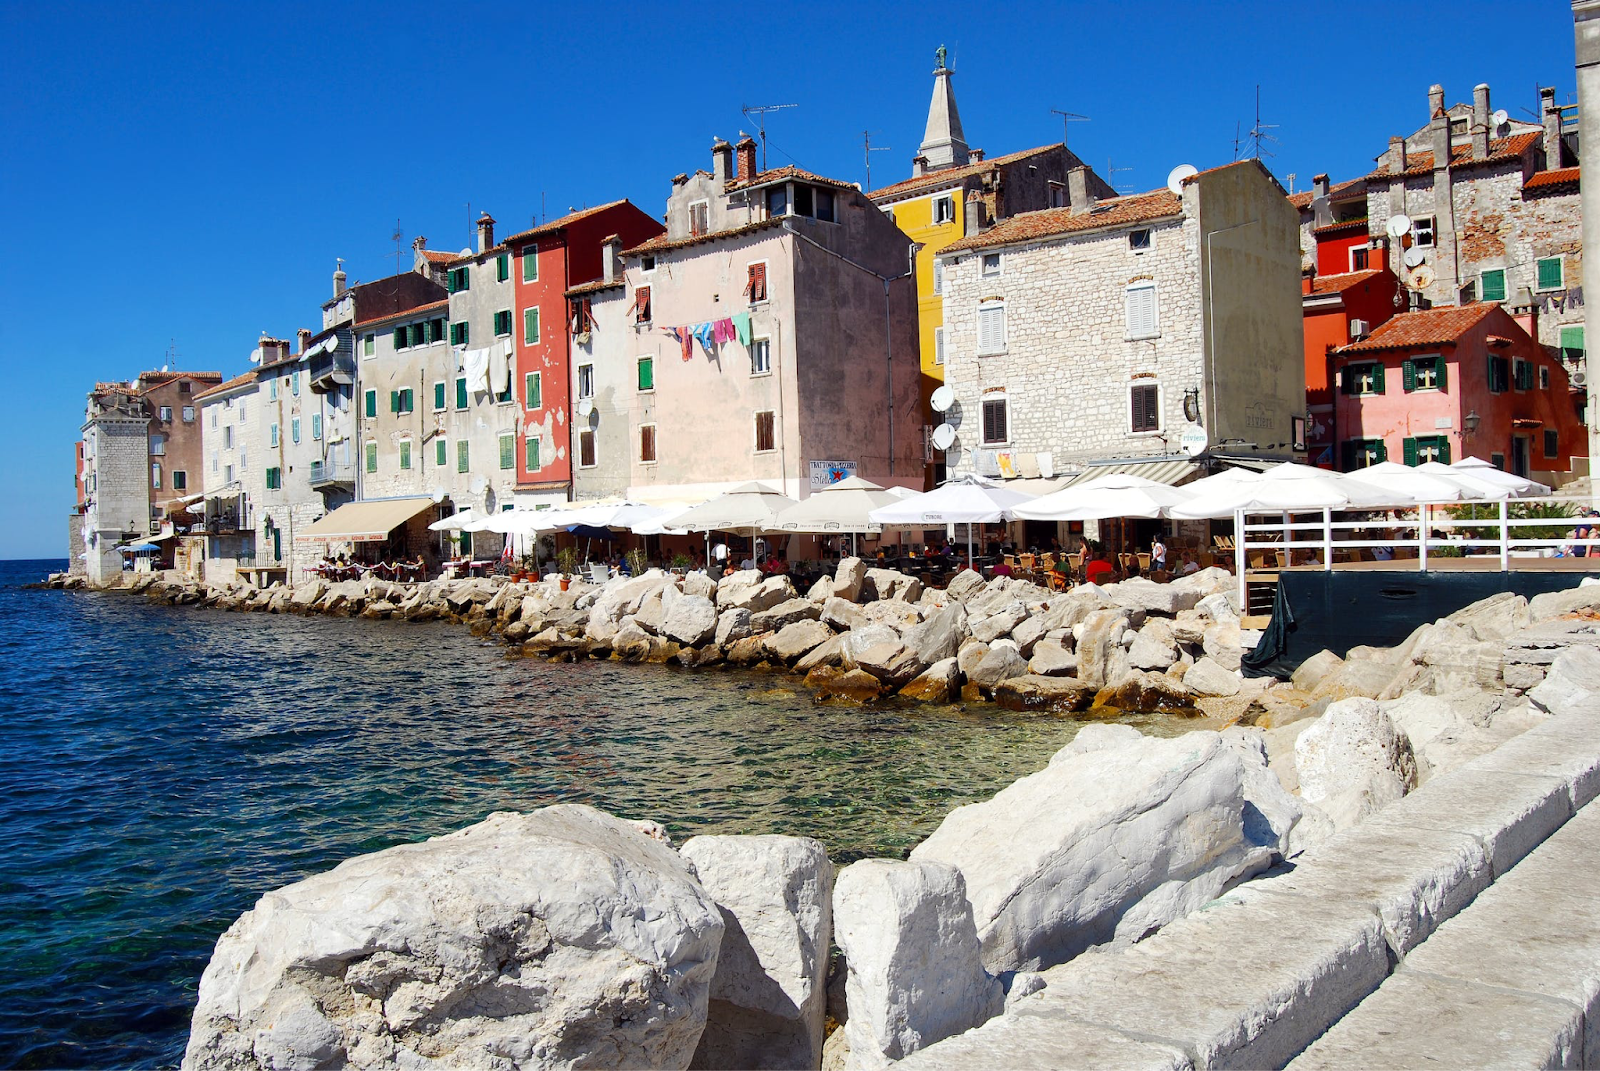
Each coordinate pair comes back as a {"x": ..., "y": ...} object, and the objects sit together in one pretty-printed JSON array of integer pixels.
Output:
[{"x": 1158, "y": 555}]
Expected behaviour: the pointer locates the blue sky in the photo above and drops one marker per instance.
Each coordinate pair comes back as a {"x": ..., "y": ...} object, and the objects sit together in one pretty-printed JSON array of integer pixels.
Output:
[{"x": 184, "y": 175}]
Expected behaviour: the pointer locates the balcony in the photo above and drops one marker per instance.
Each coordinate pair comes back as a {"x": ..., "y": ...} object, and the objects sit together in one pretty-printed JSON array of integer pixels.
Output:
[
  {"x": 329, "y": 371},
  {"x": 326, "y": 475}
]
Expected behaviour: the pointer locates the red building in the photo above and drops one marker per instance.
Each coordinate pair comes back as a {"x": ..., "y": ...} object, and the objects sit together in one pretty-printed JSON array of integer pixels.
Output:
[
  {"x": 1337, "y": 309},
  {"x": 550, "y": 259},
  {"x": 1445, "y": 383}
]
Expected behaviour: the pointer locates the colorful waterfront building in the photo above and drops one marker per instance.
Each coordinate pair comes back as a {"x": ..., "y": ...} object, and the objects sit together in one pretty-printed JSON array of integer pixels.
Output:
[
  {"x": 954, "y": 191},
  {"x": 1338, "y": 309},
  {"x": 1446, "y": 383}
]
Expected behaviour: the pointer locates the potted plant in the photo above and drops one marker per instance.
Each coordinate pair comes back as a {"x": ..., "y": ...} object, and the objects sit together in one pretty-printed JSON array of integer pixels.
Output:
[
  {"x": 638, "y": 561},
  {"x": 681, "y": 562},
  {"x": 566, "y": 565}
]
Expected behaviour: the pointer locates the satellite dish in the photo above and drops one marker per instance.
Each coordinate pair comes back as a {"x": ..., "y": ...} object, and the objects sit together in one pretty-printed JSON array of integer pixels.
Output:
[
  {"x": 330, "y": 344},
  {"x": 255, "y": 355},
  {"x": 1194, "y": 440},
  {"x": 1422, "y": 278},
  {"x": 479, "y": 483},
  {"x": 1176, "y": 176},
  {"x": 164, "y": 367},
  {"x": 1414, "y": 257},
  {"x": 1500, "y": 119},
  {"x": 942, "y": 399},
  {"x": 438, "y": 495},
  {"x": 943, "y": 436},
  {"x": 585, "y": 407},
  {"x": 1399, "y": 225}
]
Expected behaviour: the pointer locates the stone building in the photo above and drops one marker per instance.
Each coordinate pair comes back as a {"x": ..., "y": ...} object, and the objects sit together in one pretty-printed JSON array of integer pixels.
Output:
[
  {"x": 771, "y": 335},
  {"x": 231, "y": 415},
  {"x": 1586, "y": 34},
  {"x": 1103, "y": 333}
]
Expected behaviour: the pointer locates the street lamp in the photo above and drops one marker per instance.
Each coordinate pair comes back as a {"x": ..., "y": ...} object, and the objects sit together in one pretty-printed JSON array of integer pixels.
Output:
[{"x": 1469, "y": 423}]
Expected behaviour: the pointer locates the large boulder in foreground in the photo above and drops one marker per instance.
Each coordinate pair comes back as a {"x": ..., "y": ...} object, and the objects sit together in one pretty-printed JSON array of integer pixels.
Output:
[
  {"x": 768, "y": 997},
  {"x": 1102, "y": 845},
  {"x": 914, "y": 971},
  {"x": 561, "y": 937},
  {"x": 1353, "y": 760}
]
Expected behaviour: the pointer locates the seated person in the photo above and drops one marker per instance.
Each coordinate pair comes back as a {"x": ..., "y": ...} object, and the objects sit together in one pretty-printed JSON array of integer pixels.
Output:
[
  {"x": 1001, "y": 568},
  {"x": 1187, "y": 564},
  {"x": 1100, "y": 570}
]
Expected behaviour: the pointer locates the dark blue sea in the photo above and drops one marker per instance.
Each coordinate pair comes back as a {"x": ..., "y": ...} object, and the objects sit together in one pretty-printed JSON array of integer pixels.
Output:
[{"x": 164, "y": 767}]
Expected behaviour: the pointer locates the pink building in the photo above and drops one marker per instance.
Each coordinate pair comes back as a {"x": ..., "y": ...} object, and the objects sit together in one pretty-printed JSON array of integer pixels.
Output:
[{"x": 1445, "y": 383}]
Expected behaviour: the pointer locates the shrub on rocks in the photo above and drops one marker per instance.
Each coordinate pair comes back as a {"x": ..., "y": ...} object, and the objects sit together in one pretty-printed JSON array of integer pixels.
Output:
[{"x": 1353, "y": 760}]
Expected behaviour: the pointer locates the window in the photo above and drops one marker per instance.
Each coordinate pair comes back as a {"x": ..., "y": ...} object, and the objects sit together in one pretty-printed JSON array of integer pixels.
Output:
[
  {"x": 1362, "y": 453},
  {"x": 1426, "y": 448},
  {"x": 1140, "y": 302},
  {"x": 532, "y": 390},
  {"x": 316, "y": 426},
  {"x": 647, "y": 443},
  {"x": 1499, "y": 375},
  {"x": 1058, "y": 195},
  {"x": 825, "y": 205},
  {"x": 508, "y": 450},
  {"x": 462, "y": 456},
  {"x": 1492, "y": 285},
  {"x": 586, "y": 450},
  {"x": 461, "y": 392},
  {"x": 531, "y": 454},
  {"x": 185, "y": 387},
  {"x": 272, "y": 435},
  {"x": 760, "y": 356},
  {"x": 438, "y": 396},
  {"x": 400, "y": 401},
  {"x": 294, "y": 384},
  {"x": 1423, "y": 373},
  {"x": 435, "y": 329},
  {"x": 530, "y": 326},
  {"x": 938, "y": 345},
  {"x": 991, "y": 264},
  {"x": 647, "y": 374},
  {"x": 369, "y": 345},
  {"x": 458, "y": 280},
  {"x": 459, "y": 333},
  {"x": 400, "y": 338},
  {"x": 647, "y": 264},
  {"x": 227, "y": 474},
  {"x": 641, "y": 305},
  {"x": 213, "y": 418},
  {"x": 1498, "y": 461},
  {"x": 1544, "y": 378},
  {"x": 1362, "y": 379},
  {"x": 274, "y": 479},
  {"x": 155, "y": 476},
  {"x": 405, "y": 453},
  {"x": 1139, "y": 240},
  {"x": 938, "y": 276},
  {"x": 1144, "y": 403},
  {"x": 272, "y": 390},
  {"x": 756, "y": 288},
  {"x": 766, "y": 431},
  {"x": 502, "y": 323},
  {"x": 996, "y": 420},
  {"x": 188, "y": 410},
  {"x": 1523, "y": 375},
  {"x": 1422, "y": 232},
  {"x": 1552, "y": 446},
  {"x": 991, "y": 327},
  {"x": 582, "y": 317},
  {"x": 372, "y": 457},
  {"x": 502, "y": 268},
  {"x": 803, "y": 202},
  {"x": 778, "y": 201},
  {"x": 530, "y": 263},
  {"x": 158, "y": 443},
  {"x": 244, "y": 411},
  {"x": 1359, "y": 257},
  {"x": 213, "y": 462},
  {"x": 227, "y": 438},
  {"x": 165, "y": 414},
  {"x": 585, "y": 381},
  {"x": 180, "y": 480},
  {"x": 700, "y": 218},
  {"x": 944, "y": 209},
  {"x": 1551, "y": 274}
]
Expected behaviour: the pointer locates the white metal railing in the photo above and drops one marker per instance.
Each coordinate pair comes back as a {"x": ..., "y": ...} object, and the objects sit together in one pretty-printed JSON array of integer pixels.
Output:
[{"x": 1319, "y": 539}]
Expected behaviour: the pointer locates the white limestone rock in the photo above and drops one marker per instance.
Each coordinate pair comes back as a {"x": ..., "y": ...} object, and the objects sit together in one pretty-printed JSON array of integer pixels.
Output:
[
  {"x": 970, "y": 655},
  {"x": 842, "y": 614},
  {"x": 893, "y": 584},
  {"x": 915, "y": 975},
  {"x": 768, "y": 996},
  {"x": 939, "y": 683},
  {"x": 858, "y": 640},
  {"x": 1220, "y": 606},
  {"x": 1310, "y": 673},
  {"x": 1206, "y": 678},
  {"x": 1138, "y": 593},
  {"x": 1554, "y": 604},
  {"x": 564, "y": 937},
  {"x": 1102, "y": 660},
  {"x": 1000, "y": 622},
  {"x": 792, "y": 641},
  {"x": 939, "y": 635},
  {"x": 1353, "y": 761},
  {"x": 733, "y": 624},
  {"x": 1102, "y": 845},
  {"x": 1001, "y": 662},
  {"x": 691, "y": 620},
  {"x": 1493, "y": 619},
  {"x": 785, "y": 613},
  {"x": 892, "y": 663},
  {"x": 898, "y": 615},
  {"x": 1271, "y": 814},
  {"x": 1154, "y": 646},
  {"x": 1572, "y": 684},
  {"x": 1051, "y": 659},
  {"x": 1224, "y": 644},
  {"x": 964, "y": 585}
]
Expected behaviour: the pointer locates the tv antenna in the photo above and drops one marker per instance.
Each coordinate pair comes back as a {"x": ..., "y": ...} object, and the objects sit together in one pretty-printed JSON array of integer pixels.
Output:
[
  {"x": 1254, "y": 141},
  {"x": 1066, "y": 119},
  {"x": 1111, "y": 177},
  {"x": 1290, "y": 176},
  {"x": 172, "y": 354},
  {"x": 759, "y": 111},
  {"x": 398, "y": 238},
  {"x": 867, "y": 149}
]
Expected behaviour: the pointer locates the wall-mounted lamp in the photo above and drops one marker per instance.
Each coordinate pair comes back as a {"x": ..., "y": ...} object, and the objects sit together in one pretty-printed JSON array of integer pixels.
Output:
[
  {"x": 1191, "y": 405},
  {"x": 1470, "y": 422}
]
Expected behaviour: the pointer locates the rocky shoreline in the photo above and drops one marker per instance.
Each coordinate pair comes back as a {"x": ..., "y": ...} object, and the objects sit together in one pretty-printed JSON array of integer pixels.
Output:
[{"x": 569, "y": 937}]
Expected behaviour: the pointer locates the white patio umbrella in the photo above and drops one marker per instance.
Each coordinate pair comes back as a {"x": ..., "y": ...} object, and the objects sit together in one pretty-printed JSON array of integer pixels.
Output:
[
  {"x": 1520, "y": 486},
  {"x": 616, "y": 515},
  {"x": 1116, "y": 494},
  {"x": 838, "y": 508},
  {"x": 749, "y": 507},
  {"x": 455, "y": 522},
  {"x": 1286, "y": 488},
  {"x": 1414, "y": 485},
  {"x": 968, "y": 500}
]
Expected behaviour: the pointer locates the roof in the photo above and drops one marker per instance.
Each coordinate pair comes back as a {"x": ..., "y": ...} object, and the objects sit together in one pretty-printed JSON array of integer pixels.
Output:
[
  {"x": 594, "y": 287},
  {"x": 1429, "y": 327},
  {"x": 439, "y": 256},
  {"x": 236, "y": 381},
  {"x": 1500, "y": 150},
  {"x": 951, "y": 176},
  {"x": 565, "y": 221},
  {"x": 661, "y": 243},
  {"x": 158, "y": 379},
  {"x": 363, "y": 522},
  {"x": 1342, "y": 225},
  {"x": 1050, "y": 222},
  {"x": 1338, "y": 284},
  {"x": 1303, "y": 199},
  {"x": 1561, "y": 180},
  {"x": 403, "y": 313},
  {"x": 783, "y": 174}
]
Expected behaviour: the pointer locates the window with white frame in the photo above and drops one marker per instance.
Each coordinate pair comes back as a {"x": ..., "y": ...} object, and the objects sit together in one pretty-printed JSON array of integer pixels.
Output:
[
  {"x": 1144, "y": 408},
  {"x": 938, "y": 345},
  {"x": 766, "y": 431},
  {"x": 1141, "y": 308},
  {"x": 158, "y": 444},
  {"x": 165, "y": 414},
  {"x": 369, "y": 345},
  {"x": 155, "y": 476},
  {"x": 938, "y": 276},
  {"x": 996, "y": 419},
  {"x": 272, "y": 435},
  {"x": 944, "y": 209},
  {"x": 188, "y": 414},
  {"x": 991, "y": 327},
  {"x": 991, "y": 265},
  {"x": 647, "y": 443},
  {"x": 760, "y": 356},
  {"x": 1360, "y": 257},
  {"x": 1422, "y": 232},
  {"x": 1058, "y": 195},
  {"x": 699, "y": 218},
  {"x": 1550, "y": 274},
  {"x": 1139, "y": 240},
  {"x": 530, "y": 263},
  {"x": 585, "y": 381}
]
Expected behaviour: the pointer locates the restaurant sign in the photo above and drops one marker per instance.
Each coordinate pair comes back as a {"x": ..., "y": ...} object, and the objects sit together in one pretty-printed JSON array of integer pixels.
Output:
[{"x": 824, "y": 473}]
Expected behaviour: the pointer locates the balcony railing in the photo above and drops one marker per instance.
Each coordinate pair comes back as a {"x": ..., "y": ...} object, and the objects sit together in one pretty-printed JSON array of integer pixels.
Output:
[
  {"x": 326, "y": 370},
  {"x": 260, "y": 561},
  {"x": 328, "y": 474}
]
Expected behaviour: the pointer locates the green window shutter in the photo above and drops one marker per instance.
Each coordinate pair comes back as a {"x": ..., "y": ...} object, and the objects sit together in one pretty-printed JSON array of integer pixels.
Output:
[
  {"x": 436, "y": 330},
  {"x": 502, "y": 268},
  {"x": 394, "y": 401},
  {"x": 647, "y": 374},
  {"x": 1444, "y": 448},
  {"x": 530, "y": 264},
  {"x": 1493, "y": 285},
  {"x": 1572, "y": 341},
  {"x": 399, "y": 338},
  {"x": 1490, "y": 375},
  {"x": 466, "y": 278},
  {"x": 372, "y": 457},
  {"x": 405, "y": 453},
  {"x": 1377, "y": 379},
  {"x": 1380, "y": 451},
  {"x": 450, "y": 281},
  {"x": 1438, "y": 372},
  {"x": 440, "y": 455},
  {"x": 532, "y": 457},
  {"x": 1408, "y": 375},
  {"x": 1550, "y": 274},
  {"x": 508, "y": 451},
  {"x": 1411, "y": 452},
  {"x": 531, "y": 391},
  {"x": 372, "y": 403},
  {"x": 438, "y": 395},
  {"x": 316, "y": 425},
  {"x": 466, "y": 544},
  {"x": 461, "y": 393},
  {"x": 461, "y": 456},
  {"x": 530, "y": 325}
]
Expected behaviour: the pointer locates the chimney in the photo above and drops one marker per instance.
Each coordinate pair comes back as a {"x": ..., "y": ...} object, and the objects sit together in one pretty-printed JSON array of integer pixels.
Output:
[
  {"x": 485, "y": 232},
  {"x": 1480, "y": 121},
  {"x": 1319, "y": 185},
  {"x": 304, "y": 337},
  {"x": 338, "y": 278},
  {"x": 611, "y": 256},
  {"x": 1397, "y": 155},
  {"x": 746, "y": 153},
  {"x": 919, "y": 166},
  {"x": 974, "y": 210},
  {"x": 1435, "y": 101},
  {"x": 1321, "y": 210},
  {"x": 419, "y": 263},
  {"x": 974, "y": 156},
  {"x": 1551, "y": 116},
  {"x": 1078, "y": 190},
  {"x": 721, "y": 161},
  {"x": 1439, "y": 136}
]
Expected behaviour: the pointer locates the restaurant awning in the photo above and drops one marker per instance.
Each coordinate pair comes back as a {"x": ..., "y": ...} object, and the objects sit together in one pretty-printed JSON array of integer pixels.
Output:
[
  {"x": 1162, "y": 470},
  {"x": 364, "y": 522}
]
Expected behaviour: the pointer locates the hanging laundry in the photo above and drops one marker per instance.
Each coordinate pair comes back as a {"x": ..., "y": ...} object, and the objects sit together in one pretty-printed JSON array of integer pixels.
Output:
[
  {"x": 703, "y": 333},
  {"x": 741, "y": 328},
  {"x": 723, "y": 331},
  {"x": 683, "y": 338}
]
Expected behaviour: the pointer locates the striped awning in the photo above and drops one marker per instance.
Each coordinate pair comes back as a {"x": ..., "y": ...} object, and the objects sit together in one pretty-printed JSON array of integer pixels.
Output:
[
  {"x": 364, "y": 522},
  {"x": 1254, "y": 464},
  {"x": 1163, "y": 470}
]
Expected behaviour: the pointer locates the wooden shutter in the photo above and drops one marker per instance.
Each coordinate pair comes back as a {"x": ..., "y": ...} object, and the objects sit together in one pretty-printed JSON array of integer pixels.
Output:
[
  {"x": 502, "y": 267},
  {"x": 1410, "y": 447},
  {"x": 1152, "y": 408},
  {"x": 438, "y": 395},
  {"x": 1444, "y": 447},
  {"x": 399, "y": 338},
  {"x": 461, "y": 455},
  {"x": 1380, "y": 450},
  {"x": 647, "y": 378},
  {"x": 1141, "y": 310},
  {"x": 532, "y": 455},
  {"x": 641, "y": 308},
  {"x": 994, "y": 420},
  {"x": 991, "y": 328},
  {"x": 530, "y": 325},
  {"x": 1493, "y": 285},
  {"x": 372, "y": 403},
  {"x": 1438, "y": 372},
  {"x": 647, "y": 442},
  {"x": 461, "y": 393},
  {"x": 1408, "y": 374},
  {"x": 440, "y": 452},
  {"x": 394, "y": 401},
  {"x": 508, "y": 451},
  {"x": 1377, "y": 378}
]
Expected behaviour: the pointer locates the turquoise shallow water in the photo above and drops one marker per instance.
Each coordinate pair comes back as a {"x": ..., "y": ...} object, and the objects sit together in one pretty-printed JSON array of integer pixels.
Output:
[{"x": 162, "y": 768}]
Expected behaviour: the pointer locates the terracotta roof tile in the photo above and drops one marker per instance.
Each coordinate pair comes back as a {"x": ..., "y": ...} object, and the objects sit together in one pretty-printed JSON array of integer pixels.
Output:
[
  {"x": 236, "y": 381},
  {"x": 1500, "y": 150},
  {"x": 565, "y": 221},
  {"x": 403, "y": 313},
  {"x": 661, "y": 243},
  {"x": 1338, "y": 284},
  {"x": 1430, "y": 327},
  {"x": 1342, "y": 225},
  {"x": 593, "y": 287},
  {"x": 1050, "y": 222},
  {"x": 439, "y": 256},
  {"x": 1562, "y": 180},
  {"x": 952, "y": 176},
  {"x": 781, "y": 174},
  {"x": 1336, "y": 192}
]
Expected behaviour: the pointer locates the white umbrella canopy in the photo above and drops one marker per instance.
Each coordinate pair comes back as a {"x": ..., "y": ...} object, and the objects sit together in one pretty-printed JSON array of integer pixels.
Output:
[
  {"x": 455, "y": 522},
  {"x": 748, "y": 507},
  {"x": 1116, "y": 494},
  {"x": 1287, "y": 488},
  {"x": 1415, "y": 485},
  {"x": 838, "y": 508},
  {"x": 617, "y": 515},
  {"x": 1520, "y": 486},
  {"x": 968, "y": 500}
]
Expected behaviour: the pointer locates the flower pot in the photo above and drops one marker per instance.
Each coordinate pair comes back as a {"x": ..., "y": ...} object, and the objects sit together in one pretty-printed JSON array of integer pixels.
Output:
[{"x": 566, "y": 582}]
